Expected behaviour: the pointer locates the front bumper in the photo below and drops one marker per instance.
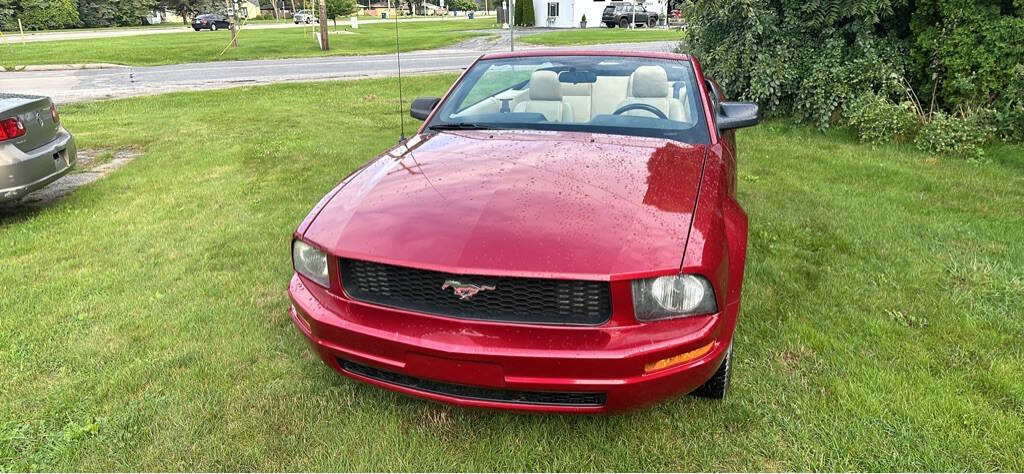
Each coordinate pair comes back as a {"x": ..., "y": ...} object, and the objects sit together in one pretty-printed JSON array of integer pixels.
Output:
[
  {"x": 24, "y": 172},
  {"x": 507, "y": 366}
]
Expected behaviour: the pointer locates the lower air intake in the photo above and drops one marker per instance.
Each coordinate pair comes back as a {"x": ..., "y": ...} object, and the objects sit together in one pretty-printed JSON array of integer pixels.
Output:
[{"x": 580, "y": 399}]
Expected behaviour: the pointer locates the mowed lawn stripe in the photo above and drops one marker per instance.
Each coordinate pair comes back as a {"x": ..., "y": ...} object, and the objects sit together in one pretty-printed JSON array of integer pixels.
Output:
[
  {"x": 144, "y": 326},
  {"x": 202, "y": 46}
]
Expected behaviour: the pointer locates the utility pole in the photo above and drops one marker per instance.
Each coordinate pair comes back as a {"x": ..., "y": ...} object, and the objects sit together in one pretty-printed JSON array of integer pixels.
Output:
[
  {"x": 323, "y": 26},
  {"x": 231, "y": 23},
  {"x": 512, "y": 24}
]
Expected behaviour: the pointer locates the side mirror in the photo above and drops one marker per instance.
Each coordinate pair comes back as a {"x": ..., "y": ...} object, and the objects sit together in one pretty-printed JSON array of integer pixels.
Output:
[
  {"x": 421, "y": 107},
  {"x": 733, "y": 115}
]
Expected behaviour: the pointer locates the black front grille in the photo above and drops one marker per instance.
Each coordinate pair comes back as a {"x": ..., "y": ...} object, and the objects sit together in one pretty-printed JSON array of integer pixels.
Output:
[
  {"x": 475, "y": 393},
  {"x": 512, "y": 299}
]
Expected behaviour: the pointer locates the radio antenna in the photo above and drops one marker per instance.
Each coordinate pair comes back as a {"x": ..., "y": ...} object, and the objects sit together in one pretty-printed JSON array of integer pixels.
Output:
[{"x": 398, "y": 55}]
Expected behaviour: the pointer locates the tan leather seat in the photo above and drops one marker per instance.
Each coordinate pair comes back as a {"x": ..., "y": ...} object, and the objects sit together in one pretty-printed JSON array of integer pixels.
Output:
[
  {"x": 546, "y": 98},
  {"x": 649, "y": 85},
  {"x": 608, "y": 92},
  {"x": 578, "y": 97}
]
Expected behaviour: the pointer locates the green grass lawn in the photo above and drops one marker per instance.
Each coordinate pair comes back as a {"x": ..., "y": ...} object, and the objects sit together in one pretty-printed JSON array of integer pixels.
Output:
[
  {"x": 601, "y": 35},
  {"x": 190, "y": 46},
  {"x": 144, "y": 325}
]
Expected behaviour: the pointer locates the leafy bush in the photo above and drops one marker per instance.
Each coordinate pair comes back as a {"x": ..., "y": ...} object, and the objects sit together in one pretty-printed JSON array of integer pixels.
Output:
[
  {"x": 8, "y": 16},
  {"x": 48, "y": 14},
  {"x": 877, "y": 120},
  {"x": 804, "y": 59},
  {"x": 967, "y": 52},
  {"x": 953, "y": 135},
  {"x": 809, "y": 58}
]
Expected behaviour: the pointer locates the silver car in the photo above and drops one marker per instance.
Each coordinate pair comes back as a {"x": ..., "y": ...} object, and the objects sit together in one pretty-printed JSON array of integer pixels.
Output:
[{"x": 35, "y": 150}]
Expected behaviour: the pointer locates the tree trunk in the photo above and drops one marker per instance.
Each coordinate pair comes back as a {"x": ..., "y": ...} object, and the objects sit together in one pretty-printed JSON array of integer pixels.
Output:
[{"x": 324, "y": 44}]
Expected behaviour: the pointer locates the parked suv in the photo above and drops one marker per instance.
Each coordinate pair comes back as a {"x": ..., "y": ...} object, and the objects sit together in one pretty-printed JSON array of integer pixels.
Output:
[
  {"x": 305, "y": 16},
  {"x": 623, "y": 13}
]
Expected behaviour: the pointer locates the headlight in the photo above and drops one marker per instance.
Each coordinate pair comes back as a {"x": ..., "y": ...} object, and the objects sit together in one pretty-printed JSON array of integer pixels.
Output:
[
  {"x": 670, "y": 296},
  {"x": 310, "y": 262}
]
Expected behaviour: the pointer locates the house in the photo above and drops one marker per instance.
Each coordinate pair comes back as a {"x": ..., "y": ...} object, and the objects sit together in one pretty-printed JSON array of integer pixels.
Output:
[
  {"x": 247, "y": 9},
  {"x": 568, "y": 13}
]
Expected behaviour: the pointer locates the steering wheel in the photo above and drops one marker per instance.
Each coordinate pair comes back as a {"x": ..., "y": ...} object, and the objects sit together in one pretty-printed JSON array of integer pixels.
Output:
[{"x": 641, "y": 106}]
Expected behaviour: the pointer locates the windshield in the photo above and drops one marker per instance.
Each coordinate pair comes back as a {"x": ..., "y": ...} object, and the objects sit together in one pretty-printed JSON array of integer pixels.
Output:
[{"x": 614, "y": 95}]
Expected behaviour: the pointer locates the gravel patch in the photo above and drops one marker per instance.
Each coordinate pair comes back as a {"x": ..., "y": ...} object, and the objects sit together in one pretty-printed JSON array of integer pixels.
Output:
[{"x": 82, "y": 175}]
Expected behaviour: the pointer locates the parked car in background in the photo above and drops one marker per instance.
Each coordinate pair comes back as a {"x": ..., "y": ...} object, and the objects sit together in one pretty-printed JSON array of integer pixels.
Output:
[
  {"x": 624, "y": 13},
  {"x": 210, "y": 21},
  {"x": 305, "y": 16},
  {"x": 561, "y": 234},
  {"x": 35, "y": 150}
]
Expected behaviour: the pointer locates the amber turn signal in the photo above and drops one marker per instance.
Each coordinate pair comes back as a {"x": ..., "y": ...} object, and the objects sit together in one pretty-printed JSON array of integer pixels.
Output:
[{"x": 678, "y": 359}]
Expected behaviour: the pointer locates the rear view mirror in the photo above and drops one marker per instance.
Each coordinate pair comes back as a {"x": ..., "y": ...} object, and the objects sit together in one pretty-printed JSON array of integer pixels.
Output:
[
  {"x": 733, "y": 115},
  {"x": 577, "y": 77},
  {"x": 421, "y": 107}
]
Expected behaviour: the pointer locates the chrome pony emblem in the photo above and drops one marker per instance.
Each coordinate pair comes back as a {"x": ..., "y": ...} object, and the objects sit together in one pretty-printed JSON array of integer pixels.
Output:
[{"x": 465, "y": 291}]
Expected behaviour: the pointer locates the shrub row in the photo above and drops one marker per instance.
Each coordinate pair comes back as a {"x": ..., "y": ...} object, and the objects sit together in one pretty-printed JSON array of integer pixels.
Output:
[{"x": 892, "y": 69}]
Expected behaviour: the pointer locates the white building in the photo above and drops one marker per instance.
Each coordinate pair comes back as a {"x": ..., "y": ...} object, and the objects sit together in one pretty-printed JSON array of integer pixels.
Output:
[{"x": 568, "y": 13}]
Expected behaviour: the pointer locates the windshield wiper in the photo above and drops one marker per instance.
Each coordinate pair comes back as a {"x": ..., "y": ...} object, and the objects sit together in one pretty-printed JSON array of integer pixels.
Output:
[{"x": 461, "y": 126}]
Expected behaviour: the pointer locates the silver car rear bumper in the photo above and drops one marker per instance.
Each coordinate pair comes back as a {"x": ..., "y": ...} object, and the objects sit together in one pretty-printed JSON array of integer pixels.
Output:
[{"x": 24, "y": 172}]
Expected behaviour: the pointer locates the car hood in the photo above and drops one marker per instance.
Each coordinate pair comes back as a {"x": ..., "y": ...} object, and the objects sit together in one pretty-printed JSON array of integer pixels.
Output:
[{"x": 527, "y": 203}]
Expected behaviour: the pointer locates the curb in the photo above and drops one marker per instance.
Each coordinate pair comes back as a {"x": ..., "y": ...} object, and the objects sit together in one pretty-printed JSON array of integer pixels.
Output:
[{"x": 62, "y": 67}]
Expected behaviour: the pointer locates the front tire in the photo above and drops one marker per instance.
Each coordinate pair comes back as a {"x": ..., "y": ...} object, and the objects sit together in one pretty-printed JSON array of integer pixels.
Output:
[
  {"x": 652, "y": 22},
  {"x": 623, "y": 23},
  {"x": 717, "y": 386},
  {"x": 610, "y": 24},
  {"x": 197, "y": 29},
  {"x": 213, "y": 27}
]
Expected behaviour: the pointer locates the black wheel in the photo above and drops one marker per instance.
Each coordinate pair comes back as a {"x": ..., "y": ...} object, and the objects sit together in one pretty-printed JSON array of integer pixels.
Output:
[
  {"x": 718, "y": 384},
  {"x": 308, "y": 21},
  {"x": 610, "y": 24},
  {"x": 652, "y": 22},
  {"x": 623, "y": 23},
  {"x": 213, "y": 27},
  {"x": 197, "y": 29}
]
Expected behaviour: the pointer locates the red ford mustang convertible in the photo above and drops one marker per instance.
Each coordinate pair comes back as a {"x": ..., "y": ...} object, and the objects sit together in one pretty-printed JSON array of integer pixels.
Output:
[{"x": 562, "y": 234}]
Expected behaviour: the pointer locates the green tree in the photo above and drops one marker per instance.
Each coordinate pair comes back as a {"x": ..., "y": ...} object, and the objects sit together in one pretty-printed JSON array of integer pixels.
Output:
[
  {"x": 336, "y": 8},
  {"x": 524, "y": 13},
  {"x": 49, "y": 14},
  {"x": 9, "y": 10},
  {"x": 188, "y": 9},
  {"x": 463, "y": 5},
  {"x": 99, "y": 13}
]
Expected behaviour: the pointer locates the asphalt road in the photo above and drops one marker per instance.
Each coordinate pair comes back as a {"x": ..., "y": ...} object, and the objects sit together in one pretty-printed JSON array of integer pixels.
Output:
[
  {"x": 67, "y": 86},
  {"x": 180, "y": 28}
]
